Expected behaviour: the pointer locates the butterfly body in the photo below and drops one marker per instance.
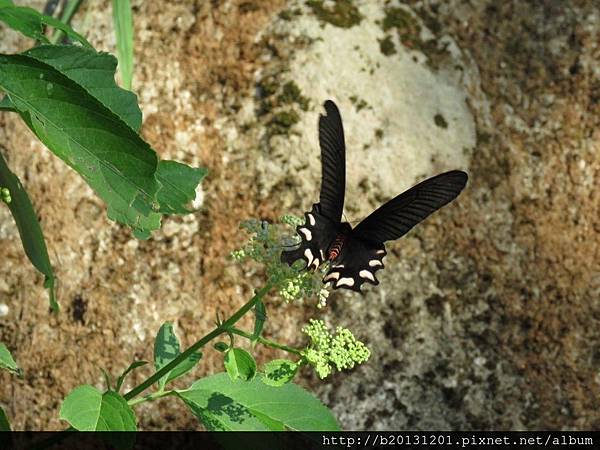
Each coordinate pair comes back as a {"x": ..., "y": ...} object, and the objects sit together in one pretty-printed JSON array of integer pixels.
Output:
[{"x": 355, "y": 254}]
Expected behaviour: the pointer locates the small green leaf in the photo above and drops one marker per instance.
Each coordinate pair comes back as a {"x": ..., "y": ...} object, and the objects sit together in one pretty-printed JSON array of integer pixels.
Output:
[
  {"x": 123, "y": 23},
  {"x": 222, "y": 404},
  {"x": 134, "y": 365},
  {"x": 178, "y": 186},
  {"x": 166, "y": 349},
  {"x": 31, "y": 23},
  {"x": 279, "y": 372},
  {"x": 29, "y": 228},
  {"x": 221, "y": 347},
  {"x": 87, "y": 409},
  {"x": 240, "y": 364},
  {"x": 7, "y": 362},
  {"x": 260, "y": 314},
  {"x": 4, "y": 423}
]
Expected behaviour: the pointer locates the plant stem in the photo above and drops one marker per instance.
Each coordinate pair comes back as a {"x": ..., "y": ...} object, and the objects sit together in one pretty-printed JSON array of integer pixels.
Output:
[
  {"x": 222, "y": 328},
  {"x": 150, "y": 397},
  {"x": 266, "y": 342},
  {"x": 69, "y": 11}
]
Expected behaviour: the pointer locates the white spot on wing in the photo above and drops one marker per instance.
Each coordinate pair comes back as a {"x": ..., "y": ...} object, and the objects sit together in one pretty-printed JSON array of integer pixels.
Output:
[
  {"x": 309, "y": 256},
  {"x": 332, "y": 276},
  {"x": 316, "y": 263},
  {"x": 380, "y": 252},
  {"x": 311, "y": 219},
  {"x": 322, "y": 254},
  {"x": 306, "y": 232},
  {"x": 366, "y": 275},
  {"x": 345, "y": 282},
  {"x": 375, "y": 263}
]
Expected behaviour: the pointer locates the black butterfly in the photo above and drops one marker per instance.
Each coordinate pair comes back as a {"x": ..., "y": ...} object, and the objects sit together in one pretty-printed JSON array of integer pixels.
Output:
[{"x": 356, "y": 254}]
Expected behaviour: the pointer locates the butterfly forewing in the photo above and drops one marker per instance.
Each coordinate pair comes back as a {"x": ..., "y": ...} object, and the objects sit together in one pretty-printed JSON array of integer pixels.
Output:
[
  {"x": 395, "y": 218},
  {"x": 333, "y": 162}
]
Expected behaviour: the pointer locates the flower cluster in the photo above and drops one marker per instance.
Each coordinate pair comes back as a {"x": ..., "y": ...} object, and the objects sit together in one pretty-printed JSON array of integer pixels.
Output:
[
  {"x": 5, "y": 195},
  {"x": 327, "y": 351},
  {"x": 265, "y": 245}
]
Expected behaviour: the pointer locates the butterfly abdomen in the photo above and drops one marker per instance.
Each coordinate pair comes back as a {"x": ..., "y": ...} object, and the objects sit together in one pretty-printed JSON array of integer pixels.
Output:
[{"x": 336, "y": 247}]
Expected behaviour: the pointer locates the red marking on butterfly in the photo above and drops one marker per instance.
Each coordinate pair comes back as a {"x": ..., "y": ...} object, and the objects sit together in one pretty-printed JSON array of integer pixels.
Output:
[{"x": 336, "y": 247}]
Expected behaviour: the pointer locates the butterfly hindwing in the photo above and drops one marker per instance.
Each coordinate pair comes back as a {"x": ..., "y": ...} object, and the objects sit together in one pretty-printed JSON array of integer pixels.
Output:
[
  {"x": 316, "y": 233},
  {"x": 356, "y": 264}
]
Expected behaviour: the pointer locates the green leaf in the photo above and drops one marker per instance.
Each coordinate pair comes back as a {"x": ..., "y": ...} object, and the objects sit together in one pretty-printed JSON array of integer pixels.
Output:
[
  {"x": 123, "y": 23},
  {"x": 134, "y": 365},
  {"x": 87, "y": 409},
  {"x": 178, "y": 186},
  {"x": 279, "y": 372},
  {"x": 220, "y": 413},
  {"x": 31, "y": 23},
  {"x": 221, "y": 347},
  {"x": 106, "y": 152},
  {"x": 95, "y": 72},
  {"x": 166, "y": 349},
  {"x": 4, "y": 423},
  {"x": 260, "y": 316},
  {"x": 240, "y": 364},
  {"x": 222, "y": 404},
  {"x": 7, "y": 362},
  {"x": 29, "y": 228}
]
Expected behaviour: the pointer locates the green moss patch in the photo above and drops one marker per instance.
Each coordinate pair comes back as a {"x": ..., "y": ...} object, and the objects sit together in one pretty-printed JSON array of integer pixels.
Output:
[{"x": 343, "y": 13}]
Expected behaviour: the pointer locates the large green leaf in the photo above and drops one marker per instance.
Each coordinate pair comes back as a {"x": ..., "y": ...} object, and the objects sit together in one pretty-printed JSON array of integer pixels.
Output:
[
  {"x": 90, "y": 123},
  {"x": 6, "y": 360},
  {"x": 88, "y": 409},
  {"x": 29, "y": 228},
  {"x": 252, "y": 405},
  {"x": 31, "y": 23},
  {"x": 221, "y": 413},
  {"x": 4, "y": 423},
  {"x": 107, "y": 153},
  {"x": 95, "y": 72},
  {"x": 166, "y": 349}
]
